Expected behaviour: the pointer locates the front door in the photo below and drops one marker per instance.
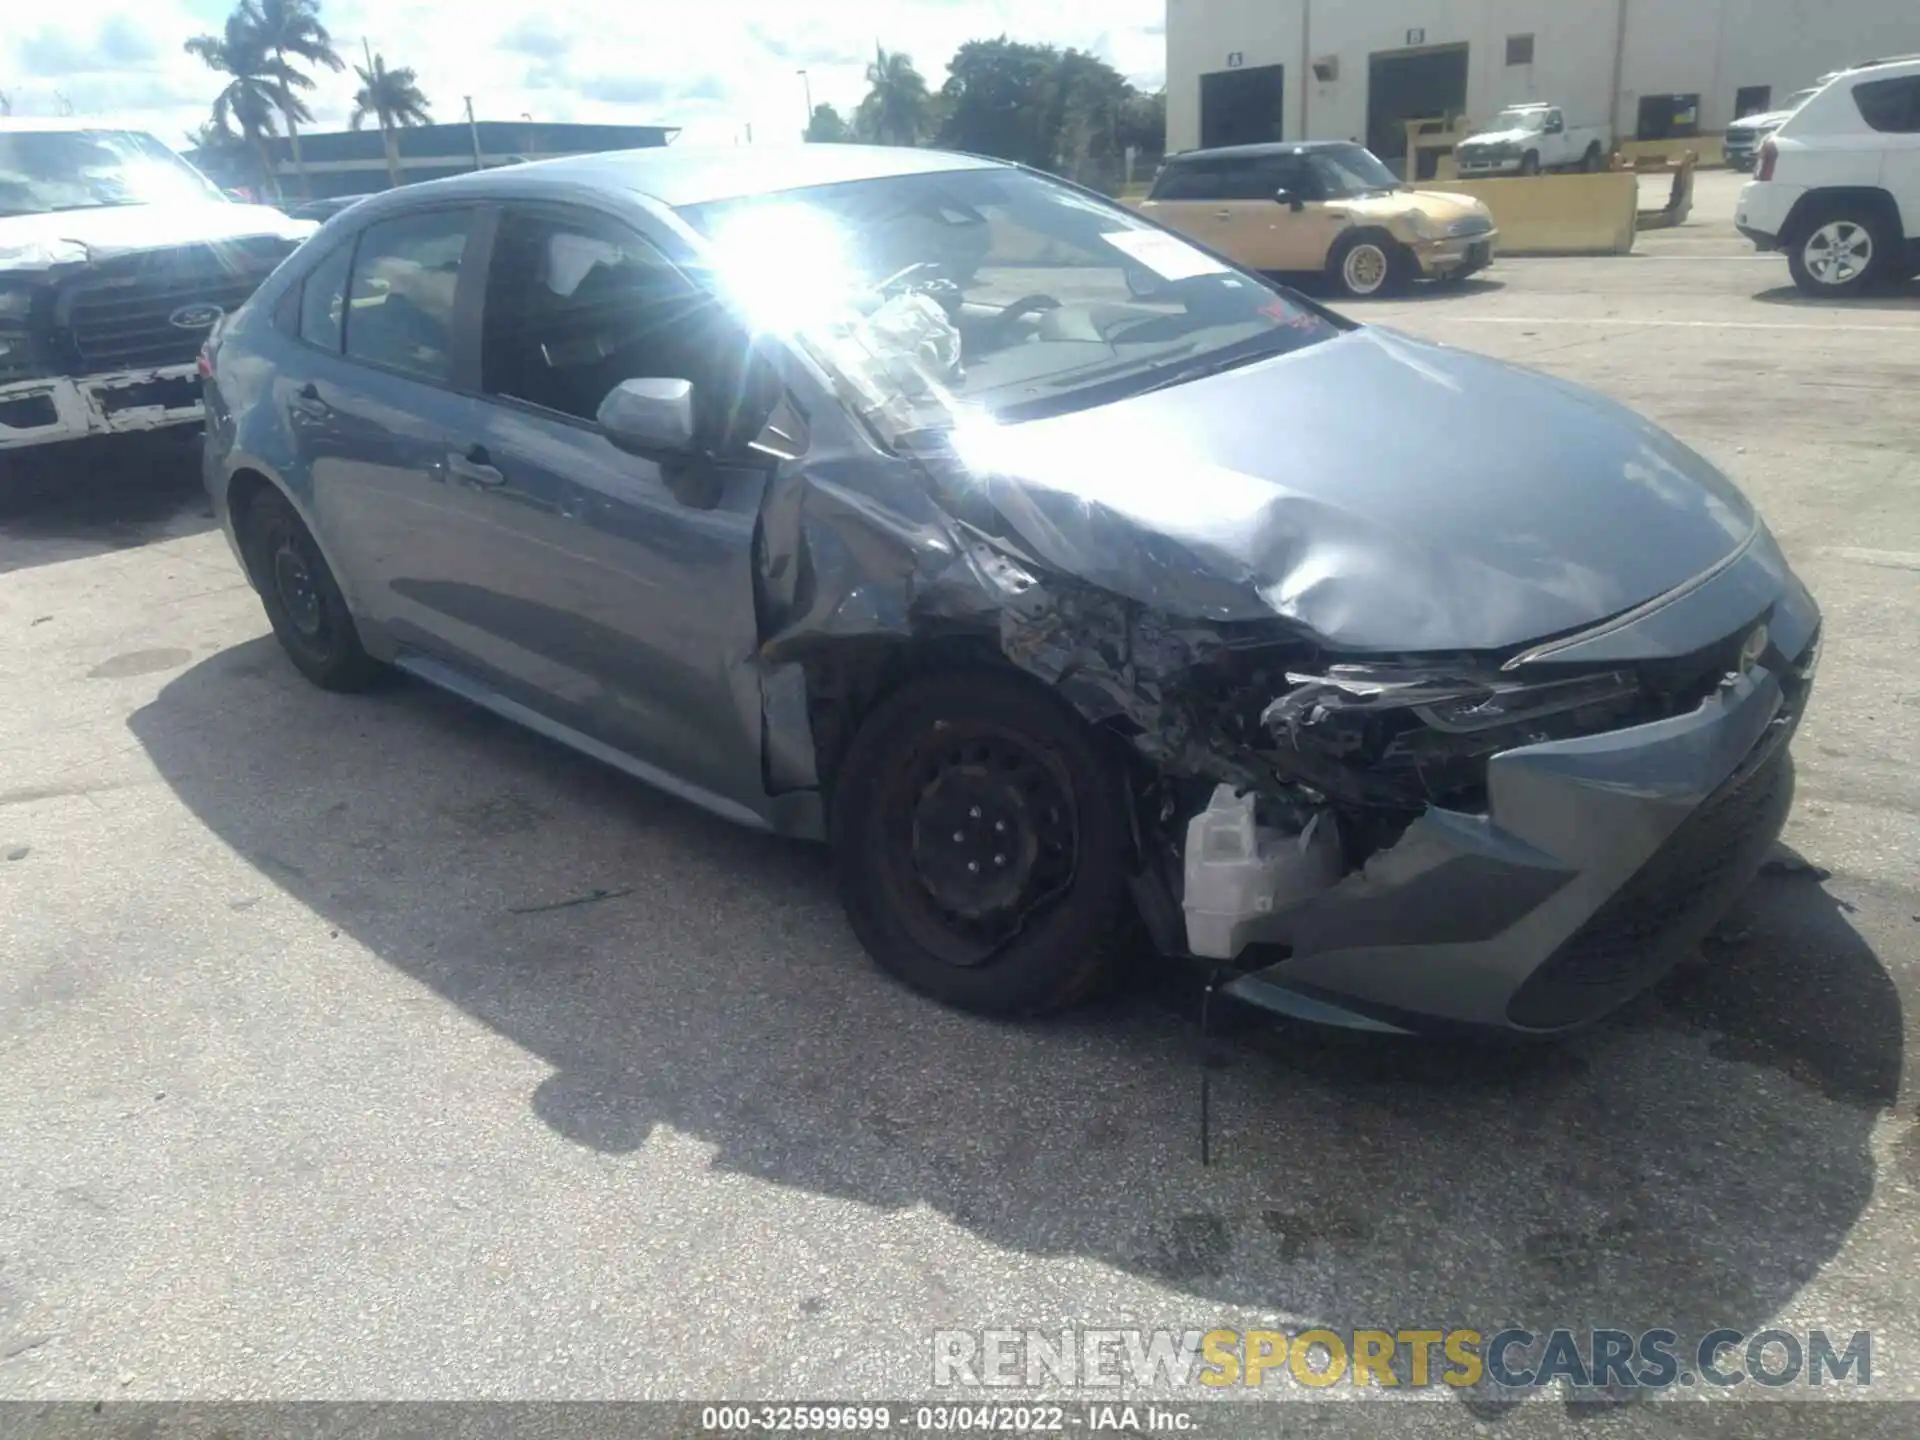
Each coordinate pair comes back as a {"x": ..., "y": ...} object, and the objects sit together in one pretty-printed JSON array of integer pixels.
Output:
[
  {"x": 1230, "y": 204},
  {"x": 617, "y": 596}
]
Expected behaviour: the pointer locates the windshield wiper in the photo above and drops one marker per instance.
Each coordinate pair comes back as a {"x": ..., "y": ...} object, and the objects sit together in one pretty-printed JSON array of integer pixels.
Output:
[{"x": 1217, "y": 364}]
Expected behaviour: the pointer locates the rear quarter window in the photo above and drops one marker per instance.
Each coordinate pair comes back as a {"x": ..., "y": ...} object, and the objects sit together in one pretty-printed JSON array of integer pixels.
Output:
[
  {"x": 323, "y": 300},
  {"x": 1211, "y": 180},
  {"x": 1890, "y": 106}
]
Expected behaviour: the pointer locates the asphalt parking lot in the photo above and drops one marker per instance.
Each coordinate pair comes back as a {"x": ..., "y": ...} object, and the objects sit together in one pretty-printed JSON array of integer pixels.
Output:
[{"x": 369, "y": 1048}]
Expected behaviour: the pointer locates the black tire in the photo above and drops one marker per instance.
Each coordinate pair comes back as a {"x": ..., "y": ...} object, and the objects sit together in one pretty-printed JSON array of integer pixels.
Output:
[
  {"x": 1530, "y": 163},
  {"x": 993, "y": 760},
  {"x": 1368, "y": 264},
  {"x": 1592, "y": 160},
  {"x": 1841, "y": 249},
  {"x": 303, "y": 602}
]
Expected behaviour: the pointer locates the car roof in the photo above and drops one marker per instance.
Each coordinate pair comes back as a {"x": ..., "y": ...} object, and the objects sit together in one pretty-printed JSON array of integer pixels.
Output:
[
  {"x": 26, "y": 124},
  {"x": 1254, "y": 152},
  {"x": 679, "y": 176}
]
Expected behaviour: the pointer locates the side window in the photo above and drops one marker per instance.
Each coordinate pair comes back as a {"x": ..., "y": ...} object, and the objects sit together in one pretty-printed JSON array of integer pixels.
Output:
[
  {"x": 1890, "y": 106},
  {"x": 323, "y": 300},
  {"x": 1211, "y": 180},
  {"x": 1285, "y": 172},
  {"x": 400, "y": 304},
  {"x": 577, "y": 304}
]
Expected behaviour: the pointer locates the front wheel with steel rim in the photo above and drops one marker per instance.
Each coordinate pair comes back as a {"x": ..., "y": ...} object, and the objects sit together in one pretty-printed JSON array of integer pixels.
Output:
[
  {"x": 1840, "y": 254},
  {"x": 1363, "y": 266},
  {"x": 303, "y": 602},
  {"x": 981, "y": 844}
]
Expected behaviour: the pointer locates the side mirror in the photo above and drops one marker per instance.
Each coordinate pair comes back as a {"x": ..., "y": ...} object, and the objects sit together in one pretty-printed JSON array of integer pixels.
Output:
[
  {"x": 1143, "y": 284},
  {"x": 1287, "y": 198},
  {"x": 649, "y": 417}
]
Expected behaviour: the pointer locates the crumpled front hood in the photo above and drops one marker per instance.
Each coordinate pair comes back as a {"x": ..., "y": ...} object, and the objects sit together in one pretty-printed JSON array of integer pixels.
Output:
[
  {"x": 1383, "y": 493},
  {"x": 84, "y": 237},
  {"x": 1772, "y": 120}
]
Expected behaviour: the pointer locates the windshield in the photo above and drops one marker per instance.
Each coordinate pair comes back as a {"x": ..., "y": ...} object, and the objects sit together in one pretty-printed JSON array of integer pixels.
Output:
[
  {"x": 935, "y": 298},
  {"x": 47, "y": 170},
  {"x": 1520, "y": 120},
  {"x": 1348, "y": 170}
]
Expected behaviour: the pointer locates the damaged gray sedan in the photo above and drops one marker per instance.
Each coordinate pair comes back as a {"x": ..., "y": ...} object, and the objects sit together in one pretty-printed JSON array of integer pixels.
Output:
[{"x": 1071, "y": 583}]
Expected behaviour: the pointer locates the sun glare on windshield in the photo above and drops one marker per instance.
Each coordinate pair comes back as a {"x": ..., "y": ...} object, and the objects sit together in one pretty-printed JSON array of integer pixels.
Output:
[{"x": 786, "y": 265}]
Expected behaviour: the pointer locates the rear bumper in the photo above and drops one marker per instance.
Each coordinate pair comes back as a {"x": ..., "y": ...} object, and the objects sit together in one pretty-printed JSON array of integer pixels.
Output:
[
  {"x": 49, "y": 410},
  {"x": 1599, "y": 863}
]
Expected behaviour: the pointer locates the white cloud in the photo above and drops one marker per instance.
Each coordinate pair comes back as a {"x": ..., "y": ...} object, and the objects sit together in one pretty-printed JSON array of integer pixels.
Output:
[{"x": 715, "y": 67}]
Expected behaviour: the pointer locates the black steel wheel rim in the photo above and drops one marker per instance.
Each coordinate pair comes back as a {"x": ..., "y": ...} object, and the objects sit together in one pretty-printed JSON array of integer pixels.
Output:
[
  {"x": 982, "y": 836},
  {"x": 297, "y": 587}
]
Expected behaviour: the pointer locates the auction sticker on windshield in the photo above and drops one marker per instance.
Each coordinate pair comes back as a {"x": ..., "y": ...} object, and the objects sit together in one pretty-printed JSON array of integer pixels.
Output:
[{"x": 1167, "y": 256}]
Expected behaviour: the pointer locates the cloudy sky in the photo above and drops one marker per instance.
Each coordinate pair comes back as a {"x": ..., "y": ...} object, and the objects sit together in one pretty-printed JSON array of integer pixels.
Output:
[{"x": 712, "y": 66}]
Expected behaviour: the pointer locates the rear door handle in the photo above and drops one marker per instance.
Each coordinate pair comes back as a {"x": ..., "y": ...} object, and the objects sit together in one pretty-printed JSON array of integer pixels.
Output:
[
  {"x": 475, "y": 468},
  {"x": 308, "y": 402}
]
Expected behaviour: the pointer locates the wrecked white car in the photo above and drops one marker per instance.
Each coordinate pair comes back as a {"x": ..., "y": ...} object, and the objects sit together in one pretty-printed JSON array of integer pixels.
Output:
[
  {"x": 1060, "y": 575},
  {"x": 116, "y": 260}
]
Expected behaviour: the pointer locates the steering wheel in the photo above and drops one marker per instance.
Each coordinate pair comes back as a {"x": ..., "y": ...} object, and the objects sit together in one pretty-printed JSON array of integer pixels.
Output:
[{"x": 927, "y": 277}]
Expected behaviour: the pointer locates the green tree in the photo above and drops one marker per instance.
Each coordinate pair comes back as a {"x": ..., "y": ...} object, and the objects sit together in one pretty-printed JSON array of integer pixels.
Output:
[
  {"x": 827, "y": 128},
  {"x": 289, "y": 31},
  {"x": 898, "y": 107},
  {"x": 259, "y": 88},
  {"x": 1037, "y": 105},
  {"x": 394, "y": 99}
]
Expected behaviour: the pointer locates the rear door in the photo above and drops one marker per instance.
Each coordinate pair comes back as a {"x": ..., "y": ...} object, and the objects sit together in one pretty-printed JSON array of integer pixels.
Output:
[
  {"x": 612, "y": 591},
  {"x": 381, "y": 408},
  {"x": 1891, "y": 109}
]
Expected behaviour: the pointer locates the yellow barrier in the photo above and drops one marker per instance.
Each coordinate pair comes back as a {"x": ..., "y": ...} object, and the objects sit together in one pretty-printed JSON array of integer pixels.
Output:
[
  {"x": 1558, "y": 214},
  {"x": 1708, "y": 150}
]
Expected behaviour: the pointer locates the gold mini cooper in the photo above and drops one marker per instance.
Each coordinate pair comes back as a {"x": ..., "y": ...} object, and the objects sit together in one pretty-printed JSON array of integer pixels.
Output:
[{"x": 1326, "y": 207}]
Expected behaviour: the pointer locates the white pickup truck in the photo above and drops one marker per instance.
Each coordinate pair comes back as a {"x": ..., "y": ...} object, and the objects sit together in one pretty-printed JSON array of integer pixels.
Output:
[
  {"x": 1526, "y": 139},
  {"x": 116, "y": 259}
]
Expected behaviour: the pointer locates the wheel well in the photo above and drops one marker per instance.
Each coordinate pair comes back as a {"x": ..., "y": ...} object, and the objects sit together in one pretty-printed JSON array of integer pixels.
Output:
[
  {"x": 245, "y": 487},
  {"x": 1809, "y": 208}
]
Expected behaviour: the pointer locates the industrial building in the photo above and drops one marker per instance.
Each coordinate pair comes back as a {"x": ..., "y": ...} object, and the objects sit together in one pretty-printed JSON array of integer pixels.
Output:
[
  {"x": 1245, "y": 71},
  {"x": 354, "y": 162}
]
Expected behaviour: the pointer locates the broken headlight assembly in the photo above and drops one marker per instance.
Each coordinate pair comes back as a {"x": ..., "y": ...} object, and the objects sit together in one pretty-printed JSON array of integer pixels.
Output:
[{"x": 1423, "y": 735}]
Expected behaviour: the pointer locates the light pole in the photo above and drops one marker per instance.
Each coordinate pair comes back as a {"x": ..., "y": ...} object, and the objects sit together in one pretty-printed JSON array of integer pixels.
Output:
[{"x": 806, "y": 83}]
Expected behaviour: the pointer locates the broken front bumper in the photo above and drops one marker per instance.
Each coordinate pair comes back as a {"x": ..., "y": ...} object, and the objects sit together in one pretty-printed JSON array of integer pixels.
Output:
[
  {"x": 1599, "y": 863},
  {"x": 56, "y": 408},
  {"x": 1463, "y": 254}
]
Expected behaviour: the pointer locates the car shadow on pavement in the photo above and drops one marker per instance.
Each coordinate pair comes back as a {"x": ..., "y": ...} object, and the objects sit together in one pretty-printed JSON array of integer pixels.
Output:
[
  {"x": 1903, "y": 298},
  {"x": 71, "y": 501},
  {"x": 1690, "y": 1164}
]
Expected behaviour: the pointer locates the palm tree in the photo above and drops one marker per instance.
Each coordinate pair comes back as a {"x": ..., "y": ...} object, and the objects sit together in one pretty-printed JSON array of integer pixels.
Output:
[
  {"x": 290, "y": 30},
  {"x": 897, "y": 106},
  {"x": 259, "y": 88},
  {"x": 221, "y": 154},
  {"x": 393, "y": 98}
]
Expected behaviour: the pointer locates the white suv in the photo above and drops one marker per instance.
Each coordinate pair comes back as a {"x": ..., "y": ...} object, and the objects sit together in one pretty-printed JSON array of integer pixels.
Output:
[{"x": 1838, "y": 185}]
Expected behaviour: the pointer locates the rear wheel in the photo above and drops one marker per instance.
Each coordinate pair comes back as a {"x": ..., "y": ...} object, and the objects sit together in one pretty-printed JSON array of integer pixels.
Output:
[
  {"x": 304, "y": 605},
  {"x": 1591, "y": 161},
  {"x": 1841, "y": 252},
  {"x": 980, "y": 842}
]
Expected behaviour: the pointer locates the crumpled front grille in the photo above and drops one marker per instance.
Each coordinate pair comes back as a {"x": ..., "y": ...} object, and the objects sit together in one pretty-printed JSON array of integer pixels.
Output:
[
  {"x": 1472, "y": 225},
  {"x": 127, "y": 314}
]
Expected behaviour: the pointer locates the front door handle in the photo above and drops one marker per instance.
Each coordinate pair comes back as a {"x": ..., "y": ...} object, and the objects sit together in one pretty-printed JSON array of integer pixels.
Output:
[{"x": 475, "y": 468}]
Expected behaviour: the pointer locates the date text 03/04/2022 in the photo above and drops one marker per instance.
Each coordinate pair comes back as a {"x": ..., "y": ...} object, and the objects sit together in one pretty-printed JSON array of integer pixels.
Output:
[{"x": 946, "y": 1419}]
